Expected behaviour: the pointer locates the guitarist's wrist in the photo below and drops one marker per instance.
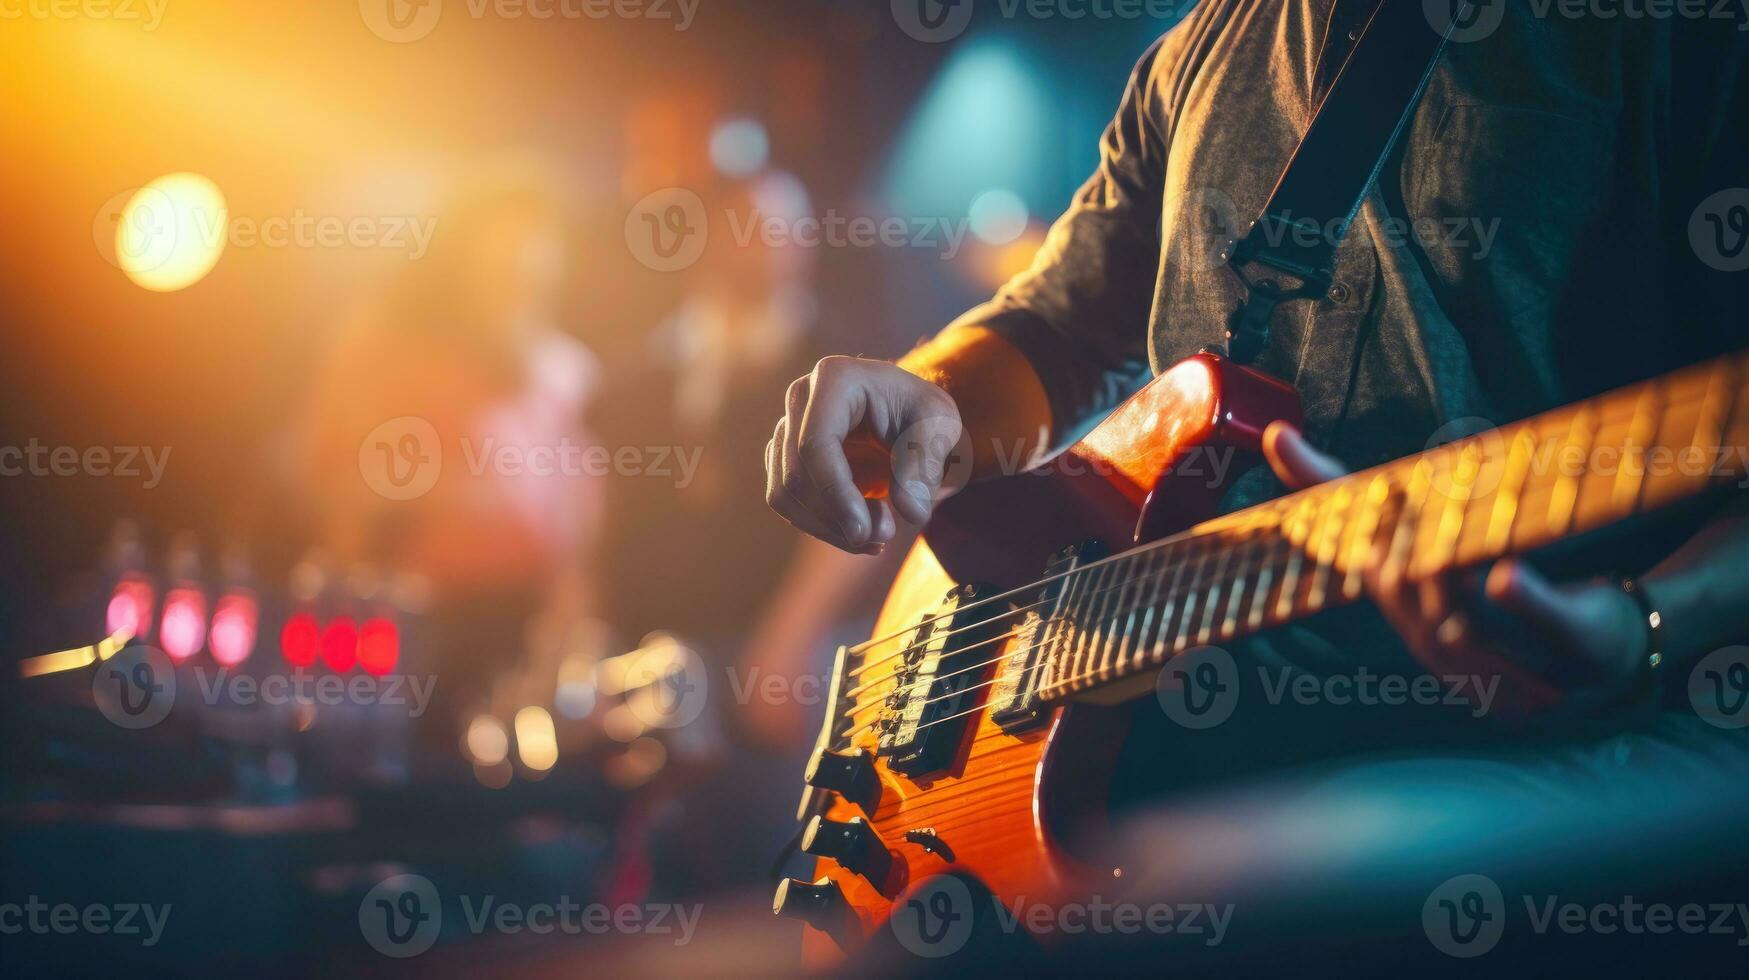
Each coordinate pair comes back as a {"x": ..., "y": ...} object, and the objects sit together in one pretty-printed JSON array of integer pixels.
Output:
[{"x": 1005, "y": 415}]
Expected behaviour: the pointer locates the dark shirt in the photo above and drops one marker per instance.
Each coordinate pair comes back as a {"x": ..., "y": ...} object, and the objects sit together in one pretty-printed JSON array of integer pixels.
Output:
[{"x": 1552, "y": 171}]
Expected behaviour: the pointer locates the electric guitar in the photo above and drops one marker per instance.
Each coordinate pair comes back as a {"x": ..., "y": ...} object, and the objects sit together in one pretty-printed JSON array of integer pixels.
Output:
[{"x": 964, "y": 738}]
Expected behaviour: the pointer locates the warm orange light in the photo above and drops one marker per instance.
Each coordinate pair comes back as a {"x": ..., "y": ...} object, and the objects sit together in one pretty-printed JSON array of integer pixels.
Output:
[{"x": 172, "y": 232}]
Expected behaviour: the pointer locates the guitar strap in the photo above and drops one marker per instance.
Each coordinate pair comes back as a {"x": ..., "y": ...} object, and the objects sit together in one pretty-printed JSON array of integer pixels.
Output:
[{"x": 1289, "y": 252}]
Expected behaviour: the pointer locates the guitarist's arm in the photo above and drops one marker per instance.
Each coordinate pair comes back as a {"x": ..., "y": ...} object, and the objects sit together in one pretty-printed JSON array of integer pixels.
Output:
[{"x": 1012, "y": 380}]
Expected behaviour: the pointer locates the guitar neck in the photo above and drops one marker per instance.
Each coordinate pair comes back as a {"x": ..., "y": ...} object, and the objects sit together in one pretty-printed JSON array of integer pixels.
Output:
[{"x": 1507, "y": 491}]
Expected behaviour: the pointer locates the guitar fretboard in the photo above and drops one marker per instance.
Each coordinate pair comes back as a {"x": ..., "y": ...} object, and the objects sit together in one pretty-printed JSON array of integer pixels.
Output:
[{"x": 1507, "y": 491}]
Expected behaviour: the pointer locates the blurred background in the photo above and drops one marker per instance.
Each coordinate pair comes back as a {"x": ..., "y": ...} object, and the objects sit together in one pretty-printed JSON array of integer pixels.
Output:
[{"x": 386, "y": 385}]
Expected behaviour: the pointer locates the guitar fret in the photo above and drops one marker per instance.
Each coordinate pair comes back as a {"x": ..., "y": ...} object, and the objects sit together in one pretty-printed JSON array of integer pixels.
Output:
[
  {"x": 1365, "y": 537},
  {"x": 1236, "y": 600},
  {"x": 1163, "y": 648},
  {"x": 1213, "y": 599},
  {"x": 1332, "y": 520},
  {"x": 1093, "y": 633},
  {"x": 1648, "y": 416},
  {"x": 1563, "y": 503},
  {"x": 1511, "y": 490},
  {"x": 1290, "y": 580},
  {"x": 1060, "y": 627},
  {"x": 1156, "y": 581},
  {"x": 1129, "y": 608}
]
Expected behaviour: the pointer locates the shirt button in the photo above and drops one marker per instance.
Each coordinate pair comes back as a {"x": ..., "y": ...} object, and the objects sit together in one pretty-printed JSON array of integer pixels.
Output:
[{"x": 1339, "y": 293}]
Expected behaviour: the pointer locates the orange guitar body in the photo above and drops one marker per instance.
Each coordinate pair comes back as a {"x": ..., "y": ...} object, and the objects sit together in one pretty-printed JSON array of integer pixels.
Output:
[{"x": 1000, "y": 812}]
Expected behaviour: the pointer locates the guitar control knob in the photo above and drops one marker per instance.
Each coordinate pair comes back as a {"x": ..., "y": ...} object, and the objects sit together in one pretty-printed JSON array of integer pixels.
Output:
[
  {"x": 849, "y": 774},
  {"x": 819, "y": 904},
  {"x": 853, "y": 844}
]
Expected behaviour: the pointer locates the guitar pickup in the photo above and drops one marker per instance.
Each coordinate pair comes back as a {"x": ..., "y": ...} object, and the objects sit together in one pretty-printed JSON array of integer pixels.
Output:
[
  {"x": 934, "y": 686},
  {"x": 1014, "y": 700}
]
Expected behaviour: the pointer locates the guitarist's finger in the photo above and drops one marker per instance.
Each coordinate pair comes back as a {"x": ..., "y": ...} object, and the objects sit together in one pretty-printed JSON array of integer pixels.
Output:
[
  {"x": 837, "y": 403},
  {"x": 1294, "y": 460},
  {"x": 796, "y": 497},
  {"x": 920, "y": 458}
]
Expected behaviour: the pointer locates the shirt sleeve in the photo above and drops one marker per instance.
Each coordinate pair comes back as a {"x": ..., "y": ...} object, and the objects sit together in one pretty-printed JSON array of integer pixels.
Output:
[{"x": 1080, "y": 313}]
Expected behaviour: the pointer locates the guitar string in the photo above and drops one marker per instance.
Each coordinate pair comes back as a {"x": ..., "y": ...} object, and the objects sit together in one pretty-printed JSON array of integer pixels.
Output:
[
  {"x": 1153, "y": 649},
  {"x": 1134, "y": 553},
  {"x": 1139, "y": 580}
]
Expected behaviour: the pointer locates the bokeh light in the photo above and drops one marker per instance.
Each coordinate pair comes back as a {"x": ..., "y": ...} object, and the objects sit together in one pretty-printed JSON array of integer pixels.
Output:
[
  {"x": 172, "y": 232},
  {"x": 740, "y": 148}
]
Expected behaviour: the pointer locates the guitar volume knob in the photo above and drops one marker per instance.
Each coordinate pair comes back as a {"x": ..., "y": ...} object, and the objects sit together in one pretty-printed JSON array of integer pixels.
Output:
[
  {"x": 852, "y": 843},
  {"x": 849, "y": 774}
]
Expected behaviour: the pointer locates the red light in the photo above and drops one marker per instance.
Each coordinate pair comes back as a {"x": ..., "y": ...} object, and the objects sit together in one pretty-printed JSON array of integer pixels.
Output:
[
  {"x": 299, "y": 639},
  {"x": 130, "y": 608},
  {"x": 233, "y": 632},
  {"x": 340, "y": 644},
  {"x": 182, "y": 631},
  {"x": 379, "y": 646}
]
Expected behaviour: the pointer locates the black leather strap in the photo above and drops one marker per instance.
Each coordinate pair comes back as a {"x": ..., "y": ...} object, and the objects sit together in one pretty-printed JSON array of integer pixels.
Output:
[{"x": 1289, "y": 252}]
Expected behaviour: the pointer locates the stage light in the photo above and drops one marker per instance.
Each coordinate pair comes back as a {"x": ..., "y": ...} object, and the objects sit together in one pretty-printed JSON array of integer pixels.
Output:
[
  {"x": 379, "y": 646},
  {"x": 537, "y": 744},
  {"x": 998, "y": 216},
  {"x": 233, "y": 632},
  {"x": 340, "y": 644},
  {"x": 300, "y": 640},
  {"x": 182, "y": 631},
  {"x": 740, "y": 147},
  {"x": 171, "y": 232},
  {"x": 130, "y": 608}
]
